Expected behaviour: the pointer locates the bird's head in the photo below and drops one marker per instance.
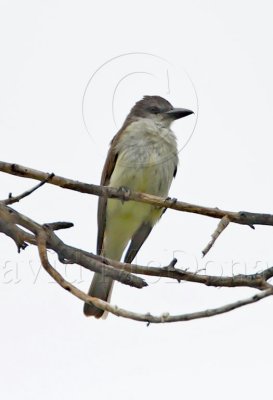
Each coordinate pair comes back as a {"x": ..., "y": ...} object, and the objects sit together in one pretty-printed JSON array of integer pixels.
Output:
[{"x": 158, "y": 109}]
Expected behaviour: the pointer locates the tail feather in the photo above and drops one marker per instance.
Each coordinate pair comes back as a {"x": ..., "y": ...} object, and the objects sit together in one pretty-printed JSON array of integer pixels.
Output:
[{"x": 101, "y": 287}]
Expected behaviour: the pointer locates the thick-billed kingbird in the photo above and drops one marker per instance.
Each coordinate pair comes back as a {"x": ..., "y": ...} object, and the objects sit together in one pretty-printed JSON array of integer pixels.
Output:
[{"x": 143, "y": 157}]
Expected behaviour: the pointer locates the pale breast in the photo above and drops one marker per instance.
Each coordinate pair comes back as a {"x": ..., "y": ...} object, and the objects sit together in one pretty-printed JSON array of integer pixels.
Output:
[{"x": 147, "y": 159}]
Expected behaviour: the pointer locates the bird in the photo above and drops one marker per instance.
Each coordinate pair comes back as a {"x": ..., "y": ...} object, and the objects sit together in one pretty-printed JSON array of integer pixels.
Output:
[{"x": 142, "y": 157}]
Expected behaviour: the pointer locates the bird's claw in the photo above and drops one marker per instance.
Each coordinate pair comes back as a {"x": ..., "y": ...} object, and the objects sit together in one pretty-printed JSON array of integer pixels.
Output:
[
  {"x": 125, "y": 193},
  {"x": 173, "y": 200}
]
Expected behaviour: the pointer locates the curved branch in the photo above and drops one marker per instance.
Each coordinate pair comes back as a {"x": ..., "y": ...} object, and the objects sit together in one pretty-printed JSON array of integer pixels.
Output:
[
  {"x": 10, "y": 219},
  {"x": 148, "y": 318},
  {"x": 13, "y": 218},
  {"x": 24, "y": 230}
]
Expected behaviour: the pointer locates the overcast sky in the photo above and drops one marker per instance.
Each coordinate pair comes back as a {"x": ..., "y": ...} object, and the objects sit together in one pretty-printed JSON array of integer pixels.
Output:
[{"x": 68, "y": 79}]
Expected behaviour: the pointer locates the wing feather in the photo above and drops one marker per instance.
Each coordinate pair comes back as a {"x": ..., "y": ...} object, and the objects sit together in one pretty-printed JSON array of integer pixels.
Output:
[
  {"x": 137, "y": 241},
  {"x": 107, "y": 171}
]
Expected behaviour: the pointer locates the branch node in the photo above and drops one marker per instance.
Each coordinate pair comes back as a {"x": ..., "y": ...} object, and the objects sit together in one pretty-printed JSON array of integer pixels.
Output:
[
  {"x": 164, "y": 316},
  {"x": 171, "y": 266},
  {"x": 63, "y": 260},
  {"x": 51, "y": 176},
  {"x": 55, "y": 226},
  {"x": 199, "y": 270},
  {"x": 148, "y": 315}
]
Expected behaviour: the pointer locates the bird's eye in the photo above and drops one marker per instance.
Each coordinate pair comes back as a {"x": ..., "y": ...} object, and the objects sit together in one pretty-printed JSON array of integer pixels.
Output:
[{"x": 154, "y": 110}]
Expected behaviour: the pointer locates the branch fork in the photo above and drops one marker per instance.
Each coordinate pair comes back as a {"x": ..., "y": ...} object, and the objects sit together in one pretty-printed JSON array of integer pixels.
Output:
[{"x": 23, "y": 231}]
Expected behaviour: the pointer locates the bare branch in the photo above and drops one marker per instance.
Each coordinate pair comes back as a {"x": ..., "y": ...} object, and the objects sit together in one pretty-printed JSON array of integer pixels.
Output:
[
  {"x": 257, "y": 281},
  {"x": 14, "y": 233},
  {"x": 55, "y": 226},
  {"x": 148, "y": 318},
  {"x": 42, "y": 242},
  {"x": 16, "y": 199},
  {"x": 241, "y": 217},
  {"x": 69, "y": 254},
  {"x": 220, "y": 227},
  {"x": 24, "y": 230},
  {"x": 65, "y": 252}
]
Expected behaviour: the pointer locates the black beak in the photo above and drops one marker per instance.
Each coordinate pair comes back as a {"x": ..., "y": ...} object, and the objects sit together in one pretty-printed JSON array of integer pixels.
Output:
[{"x": 177, "y": 113}]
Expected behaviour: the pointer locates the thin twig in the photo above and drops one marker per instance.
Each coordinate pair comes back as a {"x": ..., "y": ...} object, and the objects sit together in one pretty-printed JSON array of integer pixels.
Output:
[
  {"x": 15, "y": 199},
  {"x": 56, "y": 226},
  {"x": 220, "y": 228}
]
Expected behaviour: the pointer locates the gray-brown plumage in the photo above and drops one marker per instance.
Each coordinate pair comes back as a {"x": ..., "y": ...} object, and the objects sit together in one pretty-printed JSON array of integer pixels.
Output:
[{"x": 142, "y": 157}]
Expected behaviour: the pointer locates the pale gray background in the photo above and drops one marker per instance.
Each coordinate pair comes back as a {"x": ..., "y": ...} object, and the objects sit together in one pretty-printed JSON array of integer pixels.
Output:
[{"x": 49, "y": 51}]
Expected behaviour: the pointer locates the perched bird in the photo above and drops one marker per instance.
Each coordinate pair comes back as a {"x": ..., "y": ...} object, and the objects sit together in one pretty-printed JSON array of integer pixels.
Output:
[{"x": 142, "y": 157}]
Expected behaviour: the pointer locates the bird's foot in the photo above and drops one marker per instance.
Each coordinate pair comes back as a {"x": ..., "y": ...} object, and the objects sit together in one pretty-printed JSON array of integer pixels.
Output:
[
  {"x": 172, "y": 200},
  {"x": 125, "y": 193}
]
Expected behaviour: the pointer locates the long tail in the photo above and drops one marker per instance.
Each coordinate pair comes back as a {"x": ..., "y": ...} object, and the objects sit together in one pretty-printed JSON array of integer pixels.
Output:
[{"x": 101, "y": 287}]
